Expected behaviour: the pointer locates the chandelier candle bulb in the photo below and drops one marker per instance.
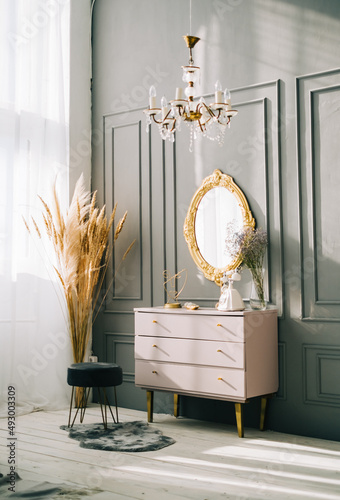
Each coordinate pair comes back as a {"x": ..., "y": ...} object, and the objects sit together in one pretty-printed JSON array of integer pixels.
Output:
[
  {"x": 179, "y": 93},
  {"x": 218, "y": 92},
  {"x": 164, "y": 112},
  {"x": 152, "y": 97},
  {"x": 227, "y": 98},
  {"x": 164, "y": 107}
]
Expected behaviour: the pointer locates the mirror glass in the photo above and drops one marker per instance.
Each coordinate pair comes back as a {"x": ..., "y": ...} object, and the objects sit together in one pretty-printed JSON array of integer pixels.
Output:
[{"x": 217, "y": 208}]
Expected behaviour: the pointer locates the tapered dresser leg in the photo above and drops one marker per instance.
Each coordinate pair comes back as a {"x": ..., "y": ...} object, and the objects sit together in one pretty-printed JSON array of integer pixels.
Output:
[
  {"x": 239, "y": 419},
  {"x": 264, "y": 400},
  {"x": 176, "y": 405},
  {"x": 149, "y": 403}
]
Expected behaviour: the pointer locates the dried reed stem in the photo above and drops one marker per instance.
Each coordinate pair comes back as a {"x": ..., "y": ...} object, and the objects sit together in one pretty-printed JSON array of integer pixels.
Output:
[{"x": 128, "y": 250}]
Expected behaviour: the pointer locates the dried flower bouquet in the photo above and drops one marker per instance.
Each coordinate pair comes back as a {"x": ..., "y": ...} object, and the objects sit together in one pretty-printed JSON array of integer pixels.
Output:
[
  {"x": 82, "y": 245},
  {"x": 250, "y": 246}
]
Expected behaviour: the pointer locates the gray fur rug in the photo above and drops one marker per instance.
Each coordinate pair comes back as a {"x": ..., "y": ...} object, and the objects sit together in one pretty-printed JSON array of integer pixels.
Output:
[{"x": 126, "y": 436}]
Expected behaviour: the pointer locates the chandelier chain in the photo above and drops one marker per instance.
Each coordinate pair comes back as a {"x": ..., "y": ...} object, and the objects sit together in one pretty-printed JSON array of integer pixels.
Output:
[{"x": 190, "y": 33}]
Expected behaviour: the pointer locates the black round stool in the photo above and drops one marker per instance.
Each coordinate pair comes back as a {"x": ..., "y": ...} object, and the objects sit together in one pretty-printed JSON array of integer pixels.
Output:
[{"x": 99, "y": 375}]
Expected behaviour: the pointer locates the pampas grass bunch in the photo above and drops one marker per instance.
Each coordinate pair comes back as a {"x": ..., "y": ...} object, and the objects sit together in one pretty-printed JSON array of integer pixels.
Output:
[{"x": 82, "y": 245}]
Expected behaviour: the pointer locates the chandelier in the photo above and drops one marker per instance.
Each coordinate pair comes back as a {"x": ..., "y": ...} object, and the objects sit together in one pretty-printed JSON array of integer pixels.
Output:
[{"x": 207, "y": 120}]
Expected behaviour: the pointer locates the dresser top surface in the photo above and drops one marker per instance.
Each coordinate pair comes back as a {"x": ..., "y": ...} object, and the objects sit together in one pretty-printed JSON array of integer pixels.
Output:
[{"x": 209, "y": 311}]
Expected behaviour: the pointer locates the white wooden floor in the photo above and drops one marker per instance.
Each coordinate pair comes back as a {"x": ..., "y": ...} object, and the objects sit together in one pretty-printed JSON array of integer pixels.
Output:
[{"x": 207, "y": 462}]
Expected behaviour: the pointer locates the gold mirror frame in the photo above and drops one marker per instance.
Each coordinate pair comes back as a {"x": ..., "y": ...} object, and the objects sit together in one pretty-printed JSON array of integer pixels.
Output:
[{"x": 216, "y": 179}]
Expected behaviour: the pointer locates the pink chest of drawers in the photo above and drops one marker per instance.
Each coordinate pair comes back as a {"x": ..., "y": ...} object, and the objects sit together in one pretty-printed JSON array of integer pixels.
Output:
[{"x": 207, "y": 353}]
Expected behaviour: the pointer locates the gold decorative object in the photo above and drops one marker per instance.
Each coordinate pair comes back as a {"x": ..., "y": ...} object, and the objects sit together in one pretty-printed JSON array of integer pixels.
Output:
[
  {"x": 216, "y": 179},
  {"x": 170, "y": 286}
]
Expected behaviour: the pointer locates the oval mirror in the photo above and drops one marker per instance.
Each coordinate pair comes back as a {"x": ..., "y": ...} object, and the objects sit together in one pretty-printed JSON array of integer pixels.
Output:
[{"x": 218, "y": 204}]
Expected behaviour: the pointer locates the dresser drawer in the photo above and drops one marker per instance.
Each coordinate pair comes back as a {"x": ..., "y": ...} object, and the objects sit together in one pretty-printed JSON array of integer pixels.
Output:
[
  {"x": 190, "y": 326},
  {"x": 212, "y": 381},
  {"x": 197, "y": 352}
]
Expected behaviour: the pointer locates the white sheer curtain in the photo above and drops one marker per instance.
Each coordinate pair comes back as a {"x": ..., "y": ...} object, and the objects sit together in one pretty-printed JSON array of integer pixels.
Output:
[{"x": 34, "y": 90}]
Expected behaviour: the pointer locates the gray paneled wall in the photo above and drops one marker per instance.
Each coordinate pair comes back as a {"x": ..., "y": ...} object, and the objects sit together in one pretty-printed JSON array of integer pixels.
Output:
[{"x": 283, "y": 152}]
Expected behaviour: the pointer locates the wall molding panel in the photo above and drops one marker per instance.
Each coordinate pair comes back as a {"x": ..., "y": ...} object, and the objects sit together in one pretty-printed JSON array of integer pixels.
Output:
[
  {"x": 267, "y": 95},
  {"x": 317, "y": 209},
  {"x": 282, "y": 391},
  {"x": 321, "y": 374},
  {"x": 113, "y": 342},
  {"x": 315, "y": 168},
  {"x": 262, "y": 103},
  {"x": 136, "y": 209},
  {"x": 126, "y": 174}
]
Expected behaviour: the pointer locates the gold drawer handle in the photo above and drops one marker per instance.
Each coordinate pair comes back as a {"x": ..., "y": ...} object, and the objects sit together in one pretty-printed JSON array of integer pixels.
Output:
[
  {"x": 154, "y": 321},
  {"x": 154, "y": 345},
  {"x": 219, "y": 324},
  {"x": 219, "y": 350},
  {"x": 220, "y": 378},
  {"x": 154, "y": 371}
]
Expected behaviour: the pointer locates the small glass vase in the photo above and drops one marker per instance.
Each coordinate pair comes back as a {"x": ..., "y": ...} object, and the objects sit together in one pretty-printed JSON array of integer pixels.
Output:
[{"x": 256, "y": 298}]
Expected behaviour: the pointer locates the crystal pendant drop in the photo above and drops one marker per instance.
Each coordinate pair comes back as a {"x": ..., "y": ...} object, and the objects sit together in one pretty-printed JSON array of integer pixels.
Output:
[
  {"x": 148, "y": 123},
  {"x": 191, "y": 138}
]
